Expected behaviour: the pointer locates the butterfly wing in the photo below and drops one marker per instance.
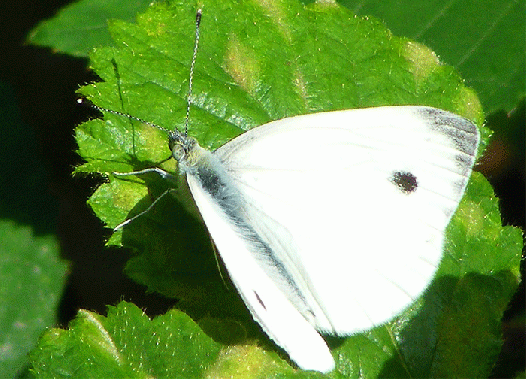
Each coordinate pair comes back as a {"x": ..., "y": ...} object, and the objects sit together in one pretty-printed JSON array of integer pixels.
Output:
[
  {"x": 351, "y": 206},
  {"x": 238, "y": 245}
]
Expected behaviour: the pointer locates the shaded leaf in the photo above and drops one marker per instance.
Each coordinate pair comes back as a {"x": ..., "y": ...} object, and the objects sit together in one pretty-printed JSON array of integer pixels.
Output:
[
  {"x": 80, "y": 26},
  {"x": 32, "y": 281}
]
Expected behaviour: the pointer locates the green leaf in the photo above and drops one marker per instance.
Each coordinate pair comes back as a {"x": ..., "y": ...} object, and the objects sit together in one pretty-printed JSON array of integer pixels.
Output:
[
  {"x": 32, "y": 282},
  {"x": 125, "y": 344},
  {"x": 258, "y": 63},
  {"x": 478, "y": 38},
  {"x": 80, "y": 26}
]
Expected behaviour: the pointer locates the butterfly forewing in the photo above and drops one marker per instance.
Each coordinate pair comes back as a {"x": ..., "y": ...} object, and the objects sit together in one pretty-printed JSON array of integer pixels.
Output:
[{"x": 343, "y": 198}]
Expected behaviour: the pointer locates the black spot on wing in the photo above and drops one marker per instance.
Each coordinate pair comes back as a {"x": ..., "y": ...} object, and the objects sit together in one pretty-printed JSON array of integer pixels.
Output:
[
  {"x": 405, "y": 181},
  {"x": 260, "y": 301}
]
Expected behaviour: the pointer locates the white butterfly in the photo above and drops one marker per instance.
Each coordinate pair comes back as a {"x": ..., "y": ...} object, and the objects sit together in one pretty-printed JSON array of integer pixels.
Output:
[{"x": 332, "y": 222}]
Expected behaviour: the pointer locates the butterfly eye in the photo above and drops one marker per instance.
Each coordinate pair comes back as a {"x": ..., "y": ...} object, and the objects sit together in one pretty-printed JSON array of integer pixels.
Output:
[{"x": 178, "y": 152}]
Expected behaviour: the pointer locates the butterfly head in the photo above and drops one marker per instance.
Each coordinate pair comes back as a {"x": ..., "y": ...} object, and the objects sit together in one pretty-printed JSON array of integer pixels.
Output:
[{"x": 181, "y": 145}]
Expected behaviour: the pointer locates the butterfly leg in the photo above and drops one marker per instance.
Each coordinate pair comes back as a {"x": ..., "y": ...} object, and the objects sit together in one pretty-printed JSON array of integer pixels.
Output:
[
  {"x": 126, "y": 222},
  {"x": 163, "y": 174},
  {"x": 160, "y": 172}
]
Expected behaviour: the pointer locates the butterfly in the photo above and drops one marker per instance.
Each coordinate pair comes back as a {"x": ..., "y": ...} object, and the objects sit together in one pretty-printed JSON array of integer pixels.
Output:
[{"x": 331, "y": 222}]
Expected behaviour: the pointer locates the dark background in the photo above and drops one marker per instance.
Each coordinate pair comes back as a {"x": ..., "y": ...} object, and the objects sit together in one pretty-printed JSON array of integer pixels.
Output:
[{"x": 43, "y": 84}]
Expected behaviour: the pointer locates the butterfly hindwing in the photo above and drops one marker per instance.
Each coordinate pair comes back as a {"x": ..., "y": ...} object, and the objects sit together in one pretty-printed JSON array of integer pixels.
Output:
[{"x": 268, "y": 305}]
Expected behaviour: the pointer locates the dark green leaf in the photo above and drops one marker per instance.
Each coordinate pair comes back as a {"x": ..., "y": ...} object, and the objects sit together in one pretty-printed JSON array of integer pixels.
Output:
[
  {"x": 80, "y": 26},
  {"x": 32, "y": 282},
  {"x": 484, "y": 40}
]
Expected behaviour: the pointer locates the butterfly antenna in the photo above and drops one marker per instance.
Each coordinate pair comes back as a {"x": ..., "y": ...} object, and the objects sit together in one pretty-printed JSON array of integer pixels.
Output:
[
  {"x": 191, "y": 79},
  {"x": 83, "y": 101}
]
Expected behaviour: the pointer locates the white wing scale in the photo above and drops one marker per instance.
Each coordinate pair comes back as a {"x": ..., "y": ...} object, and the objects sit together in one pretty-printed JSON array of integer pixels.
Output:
[{"x": 346, "y": 213}]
